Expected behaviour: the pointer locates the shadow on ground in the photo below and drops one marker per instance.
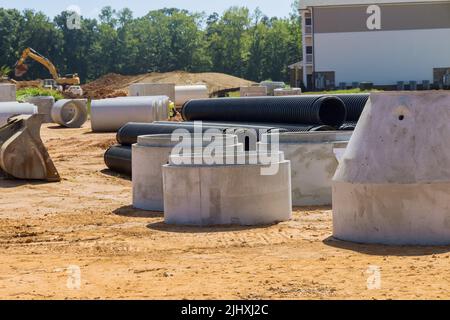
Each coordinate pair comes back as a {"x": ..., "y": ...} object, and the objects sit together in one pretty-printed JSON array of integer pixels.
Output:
[
  {"x": 384, "y": 250},
  {"x": 110, "y": 173},
  {"x": 161, "y": 226},
  {"x": 130, "y": 212}
]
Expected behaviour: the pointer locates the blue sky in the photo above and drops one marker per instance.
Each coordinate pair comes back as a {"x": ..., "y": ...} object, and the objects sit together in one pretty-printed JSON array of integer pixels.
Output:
[{"x": 90, "y": 8}]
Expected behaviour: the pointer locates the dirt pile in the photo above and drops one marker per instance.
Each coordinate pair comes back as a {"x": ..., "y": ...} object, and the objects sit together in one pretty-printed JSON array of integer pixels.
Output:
[{"x": 113, "y": 85}]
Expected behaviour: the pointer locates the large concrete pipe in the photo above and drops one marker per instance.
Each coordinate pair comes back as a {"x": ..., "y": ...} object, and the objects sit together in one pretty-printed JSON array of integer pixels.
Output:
[
  {"x": 313, "y": 110},
  {"x": 153, "y": 151},
  {"x": 229, "y": 194},
  {"x": 44, "y": 105},
  {"x": 393, "y": 183},
  {"x": 109, "y": 115},
  {"x": 7, "y": 92},
  {"x": 70, "y": 113},
  {"x": 9, "y": 109},
  {"x": 185, "y": 93},
  {"x": 153, "y": 89},
  {"x": 313, "y": 163}
]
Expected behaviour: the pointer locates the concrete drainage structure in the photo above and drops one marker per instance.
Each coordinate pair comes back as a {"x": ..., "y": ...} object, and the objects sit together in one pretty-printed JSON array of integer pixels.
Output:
[
  {"x": 313, "y": 163},
  {"x": 44, "y": 105},
  {"x": 287, "y": 92},
  {"x": 152, "y": 152},
  {"x": 9, "y": 109},
  {"x": 70, "y": 113},
  {"x": 393, "y": 184},
  {"x": 109, "y": 115},
  {"x": 253, "y": 91},
  {"x": 237, "y": 194},
  {"x": 7, "y": 92},
  {"x": 185, "y": 93},
  {"x": 153, "y": 89}
]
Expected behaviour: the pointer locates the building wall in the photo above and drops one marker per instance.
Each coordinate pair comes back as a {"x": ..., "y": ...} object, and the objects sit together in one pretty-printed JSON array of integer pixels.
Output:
[
  {"x": 382, "y": 57},
  {"x": 410, "y": 41}
]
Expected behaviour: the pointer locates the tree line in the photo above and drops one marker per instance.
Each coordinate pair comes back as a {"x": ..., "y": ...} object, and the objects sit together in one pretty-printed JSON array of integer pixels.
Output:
[{"x": 237, "y": 42}]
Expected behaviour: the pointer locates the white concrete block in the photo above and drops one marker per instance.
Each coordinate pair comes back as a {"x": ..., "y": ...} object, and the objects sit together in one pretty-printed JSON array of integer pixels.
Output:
[
  {"x": 253, "y": 91},
  {"x": 44, "y": 105},
  {"x": 7, "y": 92}
]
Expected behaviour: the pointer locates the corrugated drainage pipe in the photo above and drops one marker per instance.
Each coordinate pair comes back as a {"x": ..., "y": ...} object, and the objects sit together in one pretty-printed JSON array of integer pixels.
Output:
[
  {"x": 314, "y": 110},
  {"x": 70, "y": 113},
  {"x": 118, "y": 159}
]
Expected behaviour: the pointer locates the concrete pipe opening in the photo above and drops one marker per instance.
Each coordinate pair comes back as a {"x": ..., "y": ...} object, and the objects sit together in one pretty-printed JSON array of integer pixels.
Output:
[{"x": 70, "y": 113}]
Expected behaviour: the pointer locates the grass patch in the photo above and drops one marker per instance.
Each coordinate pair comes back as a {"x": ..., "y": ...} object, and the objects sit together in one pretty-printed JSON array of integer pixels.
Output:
[{"x": 23, "y": 94}]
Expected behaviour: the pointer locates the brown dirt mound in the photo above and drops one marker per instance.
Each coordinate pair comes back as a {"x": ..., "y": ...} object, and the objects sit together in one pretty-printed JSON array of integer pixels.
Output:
[{"x": 112, "y": 84}]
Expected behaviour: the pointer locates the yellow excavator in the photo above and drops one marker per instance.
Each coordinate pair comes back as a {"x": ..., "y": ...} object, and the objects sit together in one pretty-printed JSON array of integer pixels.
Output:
[{"x": 21, "y": 68}]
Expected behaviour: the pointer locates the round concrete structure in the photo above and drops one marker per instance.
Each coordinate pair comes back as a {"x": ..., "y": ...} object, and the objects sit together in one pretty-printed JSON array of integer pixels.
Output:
[
  {"x": 393, "y": 183},
  {"x": 313, "y": 163},
  {"x": 44, "y": 105},
  {"x": 109, "y": 115},
  {"x": 9, "y": 109},
  {"x": 153, "y": 89},
  {"x": 185, "y": 93},
  {"x": 229, "y": 194},
  {"x": 70, "y": 113},
  {"x": 152, "y": 152}
]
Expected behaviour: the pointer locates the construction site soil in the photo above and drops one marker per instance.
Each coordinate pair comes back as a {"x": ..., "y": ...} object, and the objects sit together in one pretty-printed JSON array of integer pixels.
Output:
[
  {"x": 115, "y": 85},
  {"x": 81, "y": 239}
]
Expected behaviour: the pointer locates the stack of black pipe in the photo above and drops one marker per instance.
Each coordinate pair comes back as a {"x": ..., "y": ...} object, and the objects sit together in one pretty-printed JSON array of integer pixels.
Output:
[{"x": 257, "y": 114}]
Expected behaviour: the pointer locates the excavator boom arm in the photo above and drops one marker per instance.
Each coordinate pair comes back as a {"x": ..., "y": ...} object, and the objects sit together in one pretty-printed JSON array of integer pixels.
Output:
[{"x": 30, "y": 53}]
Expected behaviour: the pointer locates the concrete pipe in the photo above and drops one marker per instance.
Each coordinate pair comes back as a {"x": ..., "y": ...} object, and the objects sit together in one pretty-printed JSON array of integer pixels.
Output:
[
  {"x": 9, "y": 109},
  {"x": 229, "y": 194},
  {"x": 44, "y": 105},
  {"x": 7, "y": 92},
  {"x": 153, "y": 89},
  {"x": 70, "y": 113},
  {"x": 393, "y": 184},
  {"x": 153, "y": 151},
  {"x": 287, "y": 92},
  {"x": 185, "y": 93},
  {"x": 313, "y": 163},
  {"x": 109, "y": 115}
]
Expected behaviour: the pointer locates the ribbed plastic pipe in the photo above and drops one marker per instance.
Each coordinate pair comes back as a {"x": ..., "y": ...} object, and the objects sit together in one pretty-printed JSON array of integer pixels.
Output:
[
  {"x": 355, "y": 104},
  {"x": 9, "y": 109},
  {"x": 118, "y": 159},
  {"x": 314, "y": 110},
  {"x": 70, "y": 113},
  {"x": 109, "y": 115},
  {"x": 127, "y": 135},
  {"x": 185, "y": 93}
]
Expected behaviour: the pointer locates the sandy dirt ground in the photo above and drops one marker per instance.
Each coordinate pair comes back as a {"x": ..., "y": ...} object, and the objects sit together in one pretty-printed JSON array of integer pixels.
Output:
[{"x": 80, "y": 239}]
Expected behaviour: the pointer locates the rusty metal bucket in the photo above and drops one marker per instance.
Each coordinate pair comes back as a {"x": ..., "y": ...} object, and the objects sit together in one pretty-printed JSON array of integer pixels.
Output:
[{"x": 22, "y": 152}]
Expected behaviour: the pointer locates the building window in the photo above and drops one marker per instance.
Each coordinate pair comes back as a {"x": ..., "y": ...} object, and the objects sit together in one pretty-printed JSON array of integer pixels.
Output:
[
  {"x": 309, "y": 50},
  {"x": 308, "y": 22}
]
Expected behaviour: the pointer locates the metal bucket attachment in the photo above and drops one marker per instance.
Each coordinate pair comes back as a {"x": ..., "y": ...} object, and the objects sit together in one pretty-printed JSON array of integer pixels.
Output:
[{"x": 22, "y": 152}]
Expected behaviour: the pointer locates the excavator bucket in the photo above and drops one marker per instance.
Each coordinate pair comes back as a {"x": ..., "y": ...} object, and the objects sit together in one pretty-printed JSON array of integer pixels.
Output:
[
  {"x": 22, "y": 152},
  {"x": 20, "y": 70}
]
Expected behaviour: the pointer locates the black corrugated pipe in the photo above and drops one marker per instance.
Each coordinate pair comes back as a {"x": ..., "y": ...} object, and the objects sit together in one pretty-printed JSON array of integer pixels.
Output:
[
  {"x": 127, "y": 135},
  {"x": 355, "y": 104},
  {"x": 314, "y": 110},
  {"x": 270, "y": 127},
  {"x": 118, "y": 159}
]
